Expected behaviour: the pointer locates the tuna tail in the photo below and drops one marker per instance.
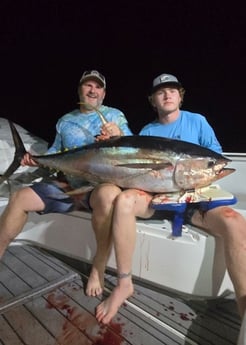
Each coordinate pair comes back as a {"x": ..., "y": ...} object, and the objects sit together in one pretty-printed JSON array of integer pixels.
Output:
[{"x": 19, "y": 153}]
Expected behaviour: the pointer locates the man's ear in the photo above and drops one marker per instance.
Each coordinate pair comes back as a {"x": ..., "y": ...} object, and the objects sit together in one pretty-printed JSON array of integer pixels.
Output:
[{"x": 150, "y": 98}]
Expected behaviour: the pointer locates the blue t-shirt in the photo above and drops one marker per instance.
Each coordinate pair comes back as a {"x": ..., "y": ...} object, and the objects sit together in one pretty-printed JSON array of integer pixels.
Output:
[
  {"x": 189, "y": 127},
  {"x": 77, "y": 129}
]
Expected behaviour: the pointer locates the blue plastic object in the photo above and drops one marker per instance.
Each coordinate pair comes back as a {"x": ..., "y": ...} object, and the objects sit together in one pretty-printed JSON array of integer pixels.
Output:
[{"x": 180, "y": 208}]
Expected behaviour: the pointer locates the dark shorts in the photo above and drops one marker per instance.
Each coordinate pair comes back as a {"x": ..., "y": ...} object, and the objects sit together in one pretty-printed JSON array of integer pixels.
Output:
[{"x": 57, "y": 201}]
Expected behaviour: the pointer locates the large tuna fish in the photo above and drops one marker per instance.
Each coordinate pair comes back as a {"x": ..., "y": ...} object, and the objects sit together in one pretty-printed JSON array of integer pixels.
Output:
[{"x": 152, "y": 164}]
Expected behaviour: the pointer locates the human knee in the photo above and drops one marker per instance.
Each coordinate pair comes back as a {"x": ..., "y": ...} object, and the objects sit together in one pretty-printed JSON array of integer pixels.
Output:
[
  {"x": 234, "y": 225},
  {"x": 227, "y": 214},
  {"x": 126, "y": 201},
  {"x": 221, "y": 221},
  {"x": 104, "y": 195},
  {"x": 16, "y": 197},
  {"x": 23, "y": 199}
]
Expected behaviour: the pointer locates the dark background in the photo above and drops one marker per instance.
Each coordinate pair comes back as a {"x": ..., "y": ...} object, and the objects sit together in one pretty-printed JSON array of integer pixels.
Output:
[{"x": 46, "y": 45}]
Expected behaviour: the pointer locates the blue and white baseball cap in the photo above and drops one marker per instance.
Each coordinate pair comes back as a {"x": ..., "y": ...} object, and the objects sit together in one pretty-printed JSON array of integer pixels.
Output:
[{"x": 165, "y": 80}]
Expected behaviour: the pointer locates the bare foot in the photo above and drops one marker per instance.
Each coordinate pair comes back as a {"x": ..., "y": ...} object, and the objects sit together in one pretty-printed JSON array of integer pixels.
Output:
[
  {"x": 95, "y": 282},
  {"x": 106, "y": 310}
]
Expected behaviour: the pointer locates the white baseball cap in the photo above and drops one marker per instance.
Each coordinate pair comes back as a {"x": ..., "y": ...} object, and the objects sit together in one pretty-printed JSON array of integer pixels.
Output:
[
  {"x": 165, "y": 79},
  {"x": 94, "y": 75}
]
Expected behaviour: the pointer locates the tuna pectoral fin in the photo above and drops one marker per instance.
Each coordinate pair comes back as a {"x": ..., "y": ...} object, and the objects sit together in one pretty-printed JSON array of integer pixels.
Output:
[
  {"x": 19, "y": 153},
  {"x": 152, "y": 166}
]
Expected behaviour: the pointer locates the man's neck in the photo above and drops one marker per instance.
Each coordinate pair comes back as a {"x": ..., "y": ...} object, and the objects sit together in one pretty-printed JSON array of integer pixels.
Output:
[
  {"x": 86, "y": 109},
  {"x": 166, "y": 118}
]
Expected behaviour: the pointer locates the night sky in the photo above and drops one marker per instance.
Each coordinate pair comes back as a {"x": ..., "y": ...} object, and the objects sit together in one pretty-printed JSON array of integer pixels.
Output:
[{"x": 46, "y": 45}]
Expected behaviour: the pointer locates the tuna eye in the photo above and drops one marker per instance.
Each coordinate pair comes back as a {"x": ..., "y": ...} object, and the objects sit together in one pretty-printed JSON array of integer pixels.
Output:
[{"x": 210, "y": 164}]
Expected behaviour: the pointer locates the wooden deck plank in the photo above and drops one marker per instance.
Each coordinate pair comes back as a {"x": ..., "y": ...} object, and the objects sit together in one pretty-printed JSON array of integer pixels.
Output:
[
  {"x": 54, "y": 323},
  {"x": 58, "y": 312},
  {"x": 9, "y": 279},
  {"x": 129, "y": 328},
  {"x": 200, "y": 321},
  {"x": 197, "y": 320},
  {"x": 57, "y": 322},
  {"x": 7, "y": 335},
  {"x": 36, "y": 269},
  {"x": 81, "y": 316},
  {"x": 19, "y": 282},
  {"x": 28, "y": 329},
  {"x": 45, "y": 258}
]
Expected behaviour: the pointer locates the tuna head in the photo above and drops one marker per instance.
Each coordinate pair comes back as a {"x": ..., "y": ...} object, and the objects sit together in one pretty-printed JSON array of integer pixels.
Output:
[{"x": 192, "y": 173}]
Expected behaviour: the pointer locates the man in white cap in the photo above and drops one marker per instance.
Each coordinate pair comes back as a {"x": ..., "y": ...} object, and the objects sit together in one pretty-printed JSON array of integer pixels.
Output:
[
  {"x": 222, "y": 222},
  {"x": 166, "y": 97}
]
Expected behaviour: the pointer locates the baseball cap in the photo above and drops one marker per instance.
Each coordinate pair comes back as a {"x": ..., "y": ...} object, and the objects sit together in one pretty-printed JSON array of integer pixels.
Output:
[
  {"x": 165, "y": 79},
  {"x": 93, "y": 74}
]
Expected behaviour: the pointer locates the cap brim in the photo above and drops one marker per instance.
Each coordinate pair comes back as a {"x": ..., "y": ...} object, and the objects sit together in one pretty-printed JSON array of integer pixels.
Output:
[
  {"x": 167, "y": 84},
  {"x": 92, "y": 77}
]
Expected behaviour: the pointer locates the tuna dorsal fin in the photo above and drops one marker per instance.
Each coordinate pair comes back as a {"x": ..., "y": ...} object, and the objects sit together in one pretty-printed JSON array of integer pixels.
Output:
[{"x": 19, "y": 153}]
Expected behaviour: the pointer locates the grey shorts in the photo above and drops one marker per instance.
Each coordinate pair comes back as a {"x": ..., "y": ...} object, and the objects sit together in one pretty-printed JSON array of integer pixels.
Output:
[{"x": 57, "y": 201}]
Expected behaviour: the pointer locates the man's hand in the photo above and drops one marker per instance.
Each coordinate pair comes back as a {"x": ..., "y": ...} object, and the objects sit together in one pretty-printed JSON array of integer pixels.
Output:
[
  {"x": 110, "y": 129},
  {"x": 102, "y": 137},
  {"x": 27, "y": 160}
]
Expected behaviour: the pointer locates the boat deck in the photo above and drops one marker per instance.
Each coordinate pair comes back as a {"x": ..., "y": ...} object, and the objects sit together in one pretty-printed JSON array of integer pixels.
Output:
[{"x": 42, "y": 301}]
